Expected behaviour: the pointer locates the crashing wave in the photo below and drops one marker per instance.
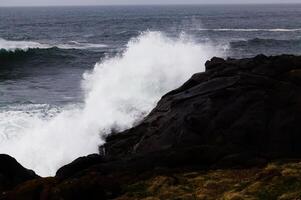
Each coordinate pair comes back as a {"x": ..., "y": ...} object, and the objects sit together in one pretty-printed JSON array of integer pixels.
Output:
[{"x": 119, "y": 92}]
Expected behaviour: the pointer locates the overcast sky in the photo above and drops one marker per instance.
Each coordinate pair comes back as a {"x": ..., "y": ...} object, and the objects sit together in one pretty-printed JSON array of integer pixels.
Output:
[{"x": 130, "y": 2}]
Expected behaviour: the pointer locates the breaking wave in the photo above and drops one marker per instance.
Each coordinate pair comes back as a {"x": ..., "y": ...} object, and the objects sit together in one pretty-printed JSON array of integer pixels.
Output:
[
  {"x": 119, "y": 92},
  {"x": 11, "y": 46}
]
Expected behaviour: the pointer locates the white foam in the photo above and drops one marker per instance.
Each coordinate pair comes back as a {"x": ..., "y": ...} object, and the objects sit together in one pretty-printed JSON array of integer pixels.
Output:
[
  {"x": 23, "y": 45},
  {"x": 119, "y": 91},
  {"x": 80, "y": 45},
  {"x": 11, "y": 45}
]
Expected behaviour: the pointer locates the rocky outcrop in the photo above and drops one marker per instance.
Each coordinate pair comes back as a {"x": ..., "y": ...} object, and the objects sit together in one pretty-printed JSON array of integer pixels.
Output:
[{"x": 238, "y": 113}]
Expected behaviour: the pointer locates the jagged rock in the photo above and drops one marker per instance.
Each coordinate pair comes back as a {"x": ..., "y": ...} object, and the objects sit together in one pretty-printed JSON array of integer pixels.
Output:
[
  {"x": 12, "y": 173},
  {"x": 237, "y": 107}
]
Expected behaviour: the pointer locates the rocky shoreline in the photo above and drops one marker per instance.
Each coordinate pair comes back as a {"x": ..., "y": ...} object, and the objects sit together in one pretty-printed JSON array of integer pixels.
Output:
[{"x": 240, "y": 118}]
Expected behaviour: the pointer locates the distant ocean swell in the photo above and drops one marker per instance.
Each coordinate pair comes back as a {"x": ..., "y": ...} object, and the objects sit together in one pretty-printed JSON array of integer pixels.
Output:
[
  {"x": 7, "y": 56},
  {"x": 14, "y": 51}
]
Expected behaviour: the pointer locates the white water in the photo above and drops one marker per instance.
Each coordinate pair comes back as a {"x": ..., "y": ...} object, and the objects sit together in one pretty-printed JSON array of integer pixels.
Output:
[
  {"x": 23, "y": 45},
  {"x": 11, "y": 45},
  {"x": 119, "y": 91},
  {"x": 79, "y": 45}
]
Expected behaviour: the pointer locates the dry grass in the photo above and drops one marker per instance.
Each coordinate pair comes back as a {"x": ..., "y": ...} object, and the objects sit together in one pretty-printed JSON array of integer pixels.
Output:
[{"x": 277, "y": 181}]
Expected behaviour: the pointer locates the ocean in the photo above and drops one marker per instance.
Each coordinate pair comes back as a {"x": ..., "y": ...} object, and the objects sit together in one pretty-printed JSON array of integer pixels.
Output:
[{"x": 71, "y": 75}]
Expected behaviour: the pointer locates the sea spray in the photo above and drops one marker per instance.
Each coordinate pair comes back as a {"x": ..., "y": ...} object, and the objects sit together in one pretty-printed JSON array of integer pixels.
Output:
[
  {"x": 21, "y": 45},
  {"x": 119, "y": 91}
]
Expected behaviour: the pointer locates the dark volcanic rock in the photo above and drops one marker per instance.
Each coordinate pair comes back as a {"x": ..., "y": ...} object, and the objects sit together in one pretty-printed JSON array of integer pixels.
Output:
[
  {"x": 12, "y": 173},
  {"x": 238, "y": 111}
]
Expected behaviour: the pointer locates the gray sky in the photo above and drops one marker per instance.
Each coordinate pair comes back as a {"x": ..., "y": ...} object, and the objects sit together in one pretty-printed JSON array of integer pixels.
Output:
[{"x": 130, "y": 2}]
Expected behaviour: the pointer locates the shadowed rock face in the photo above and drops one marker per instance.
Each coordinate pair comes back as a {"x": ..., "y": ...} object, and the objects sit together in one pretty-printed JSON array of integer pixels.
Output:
[{"x": 237, "y": 112}]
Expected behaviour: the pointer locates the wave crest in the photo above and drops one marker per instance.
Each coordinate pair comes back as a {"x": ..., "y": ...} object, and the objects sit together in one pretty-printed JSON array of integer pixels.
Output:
[{"x": 11, "y": 46}]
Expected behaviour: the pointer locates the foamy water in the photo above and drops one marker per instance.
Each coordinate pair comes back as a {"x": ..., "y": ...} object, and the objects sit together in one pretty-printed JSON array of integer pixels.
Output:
[
  {"x": 119, "y": 91},
  {"x": 11, "y": 45}
]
